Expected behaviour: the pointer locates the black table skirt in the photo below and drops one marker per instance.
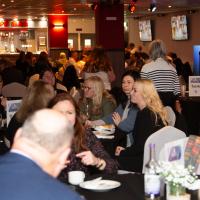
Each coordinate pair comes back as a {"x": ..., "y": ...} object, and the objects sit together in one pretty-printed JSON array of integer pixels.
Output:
[
  {"x": 191, "y": 112},
  {"x": 132, "y": 188}
]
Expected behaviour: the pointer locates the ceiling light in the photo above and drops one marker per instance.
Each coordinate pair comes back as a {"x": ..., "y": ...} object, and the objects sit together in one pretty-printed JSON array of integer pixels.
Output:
[
  {"x": 153, "y": 7},
  {"x": 169, "y": 6}
]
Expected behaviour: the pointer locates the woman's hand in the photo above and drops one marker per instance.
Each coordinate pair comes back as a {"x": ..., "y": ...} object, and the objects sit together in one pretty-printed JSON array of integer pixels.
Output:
[
  {"x": 88, "y": 124},
  {"x": 88, "y": 158},
  {"x": 116, "y": 118},
  {"x": 118, "y": 150}
]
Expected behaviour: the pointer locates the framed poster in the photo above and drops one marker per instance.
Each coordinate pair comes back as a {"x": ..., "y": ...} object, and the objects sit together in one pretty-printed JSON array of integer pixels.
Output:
[
  {"x": 194, "y": 86},
  {"x": 42, "y": 40}
]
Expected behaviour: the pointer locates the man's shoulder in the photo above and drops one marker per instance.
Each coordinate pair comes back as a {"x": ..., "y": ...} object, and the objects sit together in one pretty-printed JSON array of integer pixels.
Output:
[
  {"x": 32, "y": 182},
  {"x": 57, "y": 190}
]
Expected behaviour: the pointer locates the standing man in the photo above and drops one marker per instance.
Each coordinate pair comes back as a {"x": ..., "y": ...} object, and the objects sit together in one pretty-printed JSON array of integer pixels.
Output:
[{"x": 38, "y": 154}]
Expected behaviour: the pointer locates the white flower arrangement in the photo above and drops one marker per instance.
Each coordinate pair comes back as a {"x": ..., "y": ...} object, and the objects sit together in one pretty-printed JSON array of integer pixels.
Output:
[{"x": 177, "y": 174}]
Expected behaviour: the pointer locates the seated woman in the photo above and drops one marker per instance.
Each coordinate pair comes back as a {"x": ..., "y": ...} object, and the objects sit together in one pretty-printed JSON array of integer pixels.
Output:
[
  {"x": 70, "y": 78},
  {"x": 96, "y": 102},
  {"x": 48, "y": 76},
  {"x": 125, "y": 114},
  {"x": 151, "y": 117},
  {"x": 87, "y": 152},
  {"x": 61, "y": 65},
  {"x": 37, "y": 97}
]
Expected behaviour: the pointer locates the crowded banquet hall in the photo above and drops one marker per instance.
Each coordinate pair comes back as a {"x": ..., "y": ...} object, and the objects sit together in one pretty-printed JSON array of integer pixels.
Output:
[{"x": 99, "y": 99}]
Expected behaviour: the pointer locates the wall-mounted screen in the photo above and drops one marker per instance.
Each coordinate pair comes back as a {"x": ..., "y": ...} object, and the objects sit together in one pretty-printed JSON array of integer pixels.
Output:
[
  {"x": 145, "y": 30},
  {"x": 179, "y": 27}
]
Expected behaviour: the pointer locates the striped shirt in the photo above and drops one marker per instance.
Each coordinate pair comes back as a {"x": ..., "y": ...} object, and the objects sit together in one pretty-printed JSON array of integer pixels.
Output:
[{"x": 163, "y": 75}]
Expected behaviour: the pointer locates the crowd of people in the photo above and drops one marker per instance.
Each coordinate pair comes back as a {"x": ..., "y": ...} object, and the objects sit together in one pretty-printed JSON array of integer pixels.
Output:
[{"x": 53, "y": 119}]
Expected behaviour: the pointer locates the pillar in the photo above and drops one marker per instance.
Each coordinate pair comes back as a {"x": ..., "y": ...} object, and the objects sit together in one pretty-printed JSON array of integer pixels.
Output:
[
  {"x": 109, "y": 24},
  {"x": 57, "y": 34}
]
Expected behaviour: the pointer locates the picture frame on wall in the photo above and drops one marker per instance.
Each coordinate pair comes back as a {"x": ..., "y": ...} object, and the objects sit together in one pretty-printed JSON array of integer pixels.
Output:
[
  {"x": 145, "y": 32},
  {"x": 42, "y": 41},
  {"x": 179, "y": 27}
]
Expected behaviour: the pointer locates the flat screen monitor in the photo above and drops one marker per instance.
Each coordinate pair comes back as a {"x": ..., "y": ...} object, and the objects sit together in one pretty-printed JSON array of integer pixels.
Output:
[
  {"x": 179, "y": 27},
  {"x": 145, "y": 30}
]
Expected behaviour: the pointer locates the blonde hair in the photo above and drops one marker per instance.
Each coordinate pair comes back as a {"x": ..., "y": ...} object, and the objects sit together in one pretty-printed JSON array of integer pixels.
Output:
[
  {"x": 62, "y": 55},
  {"x": 152, "y": 99},
  {"x": 99, "y": 92}
]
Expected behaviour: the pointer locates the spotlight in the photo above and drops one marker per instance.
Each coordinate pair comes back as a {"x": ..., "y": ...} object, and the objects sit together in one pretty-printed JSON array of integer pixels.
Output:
[
  {"x": 153, "y": 7},
  {"x": 131, "y": 8}
]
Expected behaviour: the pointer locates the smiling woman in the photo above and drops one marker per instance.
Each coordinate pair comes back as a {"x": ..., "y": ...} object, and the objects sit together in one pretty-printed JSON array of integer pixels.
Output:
[
  {"x": 87, "y": 152},
  {"x": 152, "y": 114},
  {"x": 96, "y": 100}
]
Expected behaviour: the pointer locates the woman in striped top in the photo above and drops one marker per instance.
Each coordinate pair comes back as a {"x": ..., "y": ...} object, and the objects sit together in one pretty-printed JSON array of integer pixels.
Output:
[{"x": 162, "y": 73}]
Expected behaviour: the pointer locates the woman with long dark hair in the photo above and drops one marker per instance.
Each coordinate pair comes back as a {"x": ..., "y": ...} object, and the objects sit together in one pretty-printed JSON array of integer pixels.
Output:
[{"x": 87, "y": 152}]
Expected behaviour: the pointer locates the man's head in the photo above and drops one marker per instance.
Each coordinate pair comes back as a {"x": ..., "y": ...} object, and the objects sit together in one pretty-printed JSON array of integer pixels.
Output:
[{"x": 46, "y": 137}]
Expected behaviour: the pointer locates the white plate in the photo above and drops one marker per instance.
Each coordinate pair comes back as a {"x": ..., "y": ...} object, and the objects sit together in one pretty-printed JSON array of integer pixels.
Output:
[
  {"x": 124, "y": 172},
  {"x": 100, "y": 186},
  {"x": 102, "y": 135},
  {"x": 105, "y": 128},
  {"x": 103, "y": 132}
]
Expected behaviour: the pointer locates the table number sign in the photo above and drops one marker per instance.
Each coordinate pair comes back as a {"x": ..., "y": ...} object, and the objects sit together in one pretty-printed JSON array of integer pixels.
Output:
[{"x": 194, "y": 86}]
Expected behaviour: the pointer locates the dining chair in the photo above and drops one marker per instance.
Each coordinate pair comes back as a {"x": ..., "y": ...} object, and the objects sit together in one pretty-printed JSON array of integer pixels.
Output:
[
  {"x": 14, "y": 90},
  {"x": 160, "y": 138},
  {"x": 171, "y": 115}
]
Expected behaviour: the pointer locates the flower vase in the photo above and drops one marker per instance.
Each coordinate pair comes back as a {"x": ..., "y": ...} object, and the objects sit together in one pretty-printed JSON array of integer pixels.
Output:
[{"x": 176, "y": 192}]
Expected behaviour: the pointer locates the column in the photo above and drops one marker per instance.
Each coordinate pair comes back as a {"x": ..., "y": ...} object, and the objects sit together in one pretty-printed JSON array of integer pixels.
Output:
[
  {"x": 57, "y": 34},
  {"x": 110, "y": 34}
]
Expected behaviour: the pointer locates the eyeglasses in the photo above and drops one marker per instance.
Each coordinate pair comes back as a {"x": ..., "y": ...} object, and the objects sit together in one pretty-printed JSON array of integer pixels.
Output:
[{"x": 87, "y": 88}]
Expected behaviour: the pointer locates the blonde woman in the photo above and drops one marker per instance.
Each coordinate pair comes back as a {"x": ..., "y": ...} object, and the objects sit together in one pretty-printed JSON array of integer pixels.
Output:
[
  {"x": 151, "y": 117},
  {"x": 96, "y": 102}
]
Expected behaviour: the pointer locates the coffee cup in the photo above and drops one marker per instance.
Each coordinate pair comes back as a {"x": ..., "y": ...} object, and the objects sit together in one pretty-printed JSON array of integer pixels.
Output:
[{"x": 76, "y": 177}]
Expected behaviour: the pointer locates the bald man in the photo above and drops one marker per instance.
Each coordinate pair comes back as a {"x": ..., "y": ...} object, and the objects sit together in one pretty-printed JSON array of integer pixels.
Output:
[{"x": 38, "y": 154}]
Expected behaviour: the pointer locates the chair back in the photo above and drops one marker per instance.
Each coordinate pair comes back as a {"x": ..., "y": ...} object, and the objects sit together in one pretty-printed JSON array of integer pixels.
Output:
[
  {"x": 14, "y": 90},
  {"x": 159, "y": 138},
  {"x": 171, "y": 116}
]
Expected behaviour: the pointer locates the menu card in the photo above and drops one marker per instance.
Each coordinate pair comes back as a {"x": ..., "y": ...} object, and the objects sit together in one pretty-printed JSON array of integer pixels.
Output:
[{"x": 194, "y": 86}]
